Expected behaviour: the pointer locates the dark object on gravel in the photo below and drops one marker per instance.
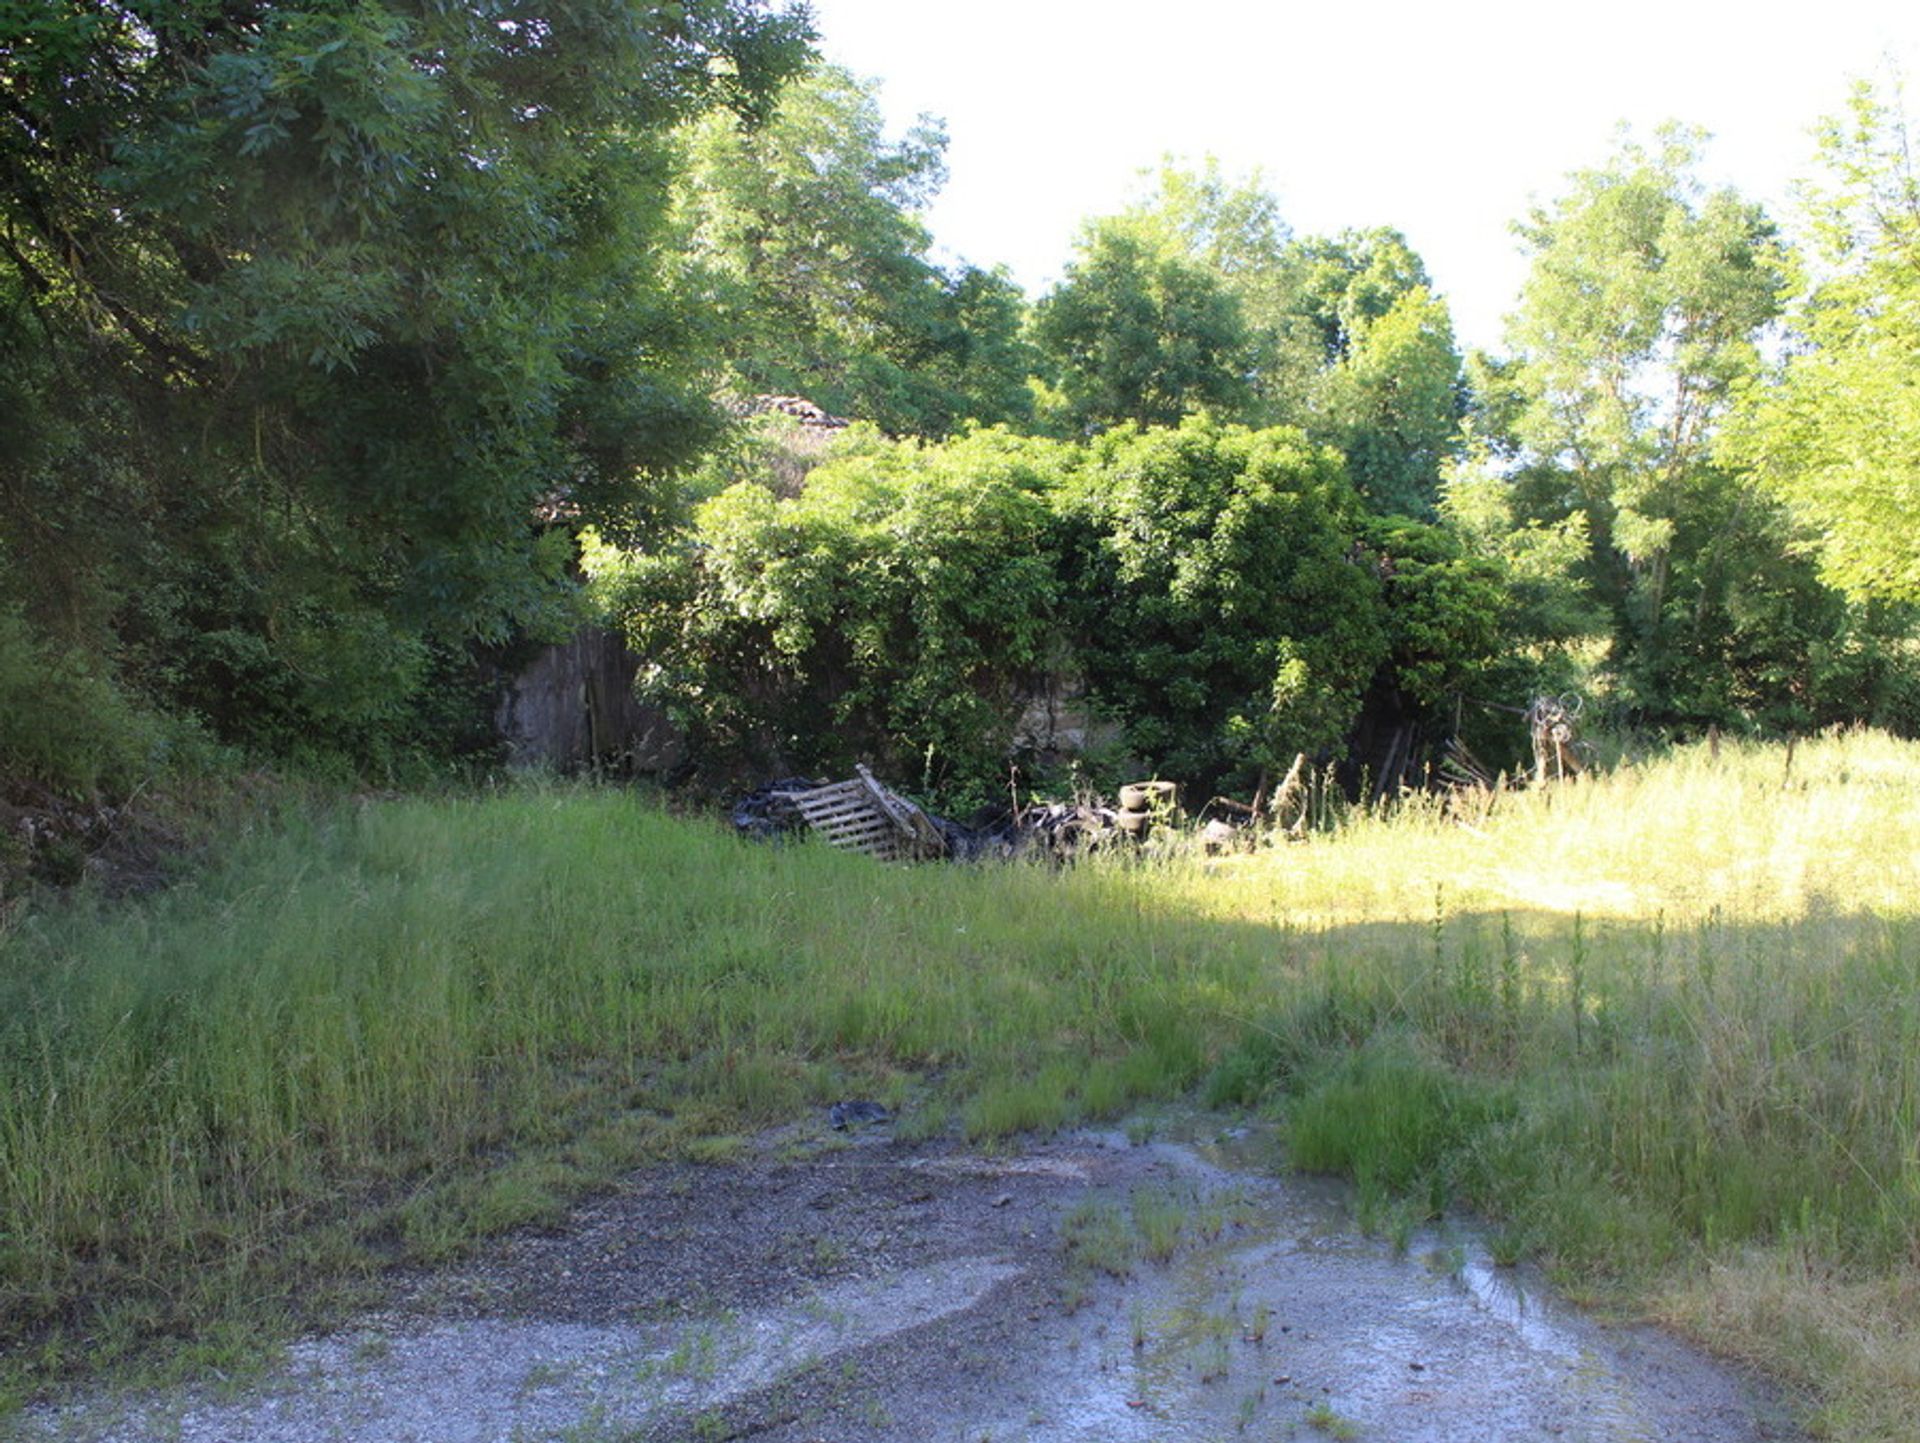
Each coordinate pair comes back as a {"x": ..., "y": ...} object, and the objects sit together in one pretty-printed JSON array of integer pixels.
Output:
[{"x": 845, "y": 1115}]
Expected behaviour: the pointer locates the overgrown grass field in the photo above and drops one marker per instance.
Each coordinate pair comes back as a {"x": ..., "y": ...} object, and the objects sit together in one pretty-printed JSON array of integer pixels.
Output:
[{"x": 1662, "y": 1028}]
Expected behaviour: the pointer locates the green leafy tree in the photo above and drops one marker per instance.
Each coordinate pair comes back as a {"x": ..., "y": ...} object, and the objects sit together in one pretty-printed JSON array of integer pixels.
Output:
[
  {"x": 1837, "y": 433},
  {"x": 1542, "y": 562},
  {"x": 1342, "y": 284},
  {"x": 1392, "y": 402},
  {"x": 313, "y": 301},
  {"x": 804, "y": 235},
  {"x": 1225, "y": 611},
  {"x": 1235, "y": 230},
  {"x": 1139, "y": 331},
  {"x": 1341, "y": 336},
  {"x": 1641, "y": 315},
  {"x": 1443, "y": 609}
]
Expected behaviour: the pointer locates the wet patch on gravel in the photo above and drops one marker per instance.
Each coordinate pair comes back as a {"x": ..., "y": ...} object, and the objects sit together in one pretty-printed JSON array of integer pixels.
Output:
[{"x": 1083, "y": 1288}]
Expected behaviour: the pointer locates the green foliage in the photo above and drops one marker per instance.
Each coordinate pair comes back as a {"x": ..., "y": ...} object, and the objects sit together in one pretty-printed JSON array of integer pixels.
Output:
[
  {"x": 1140, "y": 332},
  {"x": 1346, "y": 283},
  {"x": 804, "y": 239},
  {"x": 1836, "y": 433},
  {"x": 1443, "y": 609},
  {"x": 1544, "y": 593},
  {"x": 1222, "y": 610},
  {"x": 63, "y": 720},
  {"x": 1391, "y": 403},
  {"x": 1641, "y": 314},
  {"x": 1200, "y": 298},
  {"x": 1234, "y": 230},
  {"x": 1220, "y": 593},
  {"x": 892, "y": 611},
  {"x": 1754, "y": 638},
  {"x": 351, "y": 286},
  {"x": 1640, "y": 327}
]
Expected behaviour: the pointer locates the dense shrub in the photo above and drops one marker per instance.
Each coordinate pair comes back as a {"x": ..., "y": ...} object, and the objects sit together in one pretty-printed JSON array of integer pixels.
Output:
[
  {"x": 63, "y": 720},
  {"x": 895, "y": 610},
  {"x": 1224, "y": 610},
  {"x": 1221, "y": 593}
]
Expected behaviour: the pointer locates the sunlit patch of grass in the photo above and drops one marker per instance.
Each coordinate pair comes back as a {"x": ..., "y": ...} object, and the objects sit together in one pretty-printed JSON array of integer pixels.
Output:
[{"x": 1850, "y": 1343}]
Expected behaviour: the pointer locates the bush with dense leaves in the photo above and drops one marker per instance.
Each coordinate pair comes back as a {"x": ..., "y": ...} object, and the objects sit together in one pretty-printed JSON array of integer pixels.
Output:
[
  {"x": 895, "y": 610},
  {"x": 1224, "y": 609},
  {"x": 1221, "y": 593}
]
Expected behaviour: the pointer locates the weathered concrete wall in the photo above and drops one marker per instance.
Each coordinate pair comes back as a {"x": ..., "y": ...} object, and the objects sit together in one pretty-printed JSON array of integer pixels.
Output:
[
  {"x": 574, "y": 705},
  {"x": 1056, "y": 724}
]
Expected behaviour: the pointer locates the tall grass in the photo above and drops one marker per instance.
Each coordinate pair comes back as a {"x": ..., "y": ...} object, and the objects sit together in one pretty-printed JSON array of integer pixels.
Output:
[
  {"x": 1651, "y": 1023},
  {"x": 356, "y": 1021},
  {"x": 1666, "y": 1020}
]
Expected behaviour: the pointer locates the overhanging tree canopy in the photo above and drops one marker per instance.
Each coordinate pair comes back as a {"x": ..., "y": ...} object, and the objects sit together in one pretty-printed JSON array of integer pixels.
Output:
[{"x": 312, "y": 299}]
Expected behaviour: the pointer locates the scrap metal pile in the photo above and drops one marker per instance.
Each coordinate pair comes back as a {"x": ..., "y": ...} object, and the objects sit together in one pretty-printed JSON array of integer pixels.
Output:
[
  {"x": 1558, "y": 751},
  {"x": 862, "y": 815}
]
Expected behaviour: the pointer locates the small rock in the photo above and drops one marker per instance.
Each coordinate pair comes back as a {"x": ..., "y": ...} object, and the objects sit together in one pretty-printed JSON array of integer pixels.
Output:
[
  {"x": 1003, "y": 1199},
  {"x": 857, "y": 1113}
]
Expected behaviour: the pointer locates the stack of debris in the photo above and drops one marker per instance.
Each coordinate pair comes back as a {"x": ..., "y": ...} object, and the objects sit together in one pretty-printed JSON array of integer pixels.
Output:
[
  {"x": 857, "y": 815},
  {"x": 862, "y": 815},
  {"x": 1558, "y": 752},
  {"x": 1142, "y": 804}
]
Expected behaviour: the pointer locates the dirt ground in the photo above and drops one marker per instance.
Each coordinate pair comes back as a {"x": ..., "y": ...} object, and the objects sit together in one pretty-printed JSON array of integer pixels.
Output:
[{"x": 1108, "y": 1286}]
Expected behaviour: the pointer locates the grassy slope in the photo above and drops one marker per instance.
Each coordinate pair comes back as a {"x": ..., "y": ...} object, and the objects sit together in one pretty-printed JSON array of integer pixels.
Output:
[{"x": 1666, "y": 1028}]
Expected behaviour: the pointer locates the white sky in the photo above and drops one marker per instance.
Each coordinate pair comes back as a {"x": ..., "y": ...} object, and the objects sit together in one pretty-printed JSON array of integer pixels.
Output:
[{"x": 1446, "y": 121}]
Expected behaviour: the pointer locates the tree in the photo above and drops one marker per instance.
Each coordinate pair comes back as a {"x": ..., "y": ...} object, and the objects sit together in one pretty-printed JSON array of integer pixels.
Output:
[
  {"x": 1235, "y": 230},
  {"x": 1344, "y": 283},
  {"x": 804, "y": 236},
  {"x": 1341, "y": 336},
  {"x": 1139, "y": 331},
  {"x": 313, "y": 301},
  {"x": 1836, "y": 434},
  {"x": 1641, "y": 315},
  {"x": 1541, "y": 561},
  {"x": 1392, "y": 402}
]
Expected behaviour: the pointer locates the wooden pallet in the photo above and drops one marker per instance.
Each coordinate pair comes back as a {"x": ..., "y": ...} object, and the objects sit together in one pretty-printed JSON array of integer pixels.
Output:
[{"x": 860, "y": 815}]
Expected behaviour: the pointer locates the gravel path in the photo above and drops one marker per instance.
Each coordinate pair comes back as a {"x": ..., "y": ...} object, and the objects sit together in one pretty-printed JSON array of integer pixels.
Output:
[{"x": 878, "y": 1291}]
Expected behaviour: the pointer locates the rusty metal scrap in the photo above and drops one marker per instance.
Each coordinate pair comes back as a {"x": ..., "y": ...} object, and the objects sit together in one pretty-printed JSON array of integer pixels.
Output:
[{"x": 1558, "y": 752}]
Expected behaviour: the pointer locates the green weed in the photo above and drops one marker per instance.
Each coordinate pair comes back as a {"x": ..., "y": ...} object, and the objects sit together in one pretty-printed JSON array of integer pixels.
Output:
[
  {"x": 1334, "y": 1425},
  {"x": 1159, "y": 1221},
  {"x": 1098, "y": 1239}
]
